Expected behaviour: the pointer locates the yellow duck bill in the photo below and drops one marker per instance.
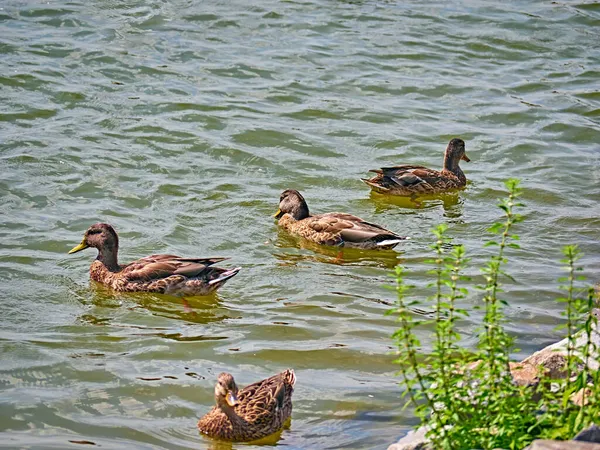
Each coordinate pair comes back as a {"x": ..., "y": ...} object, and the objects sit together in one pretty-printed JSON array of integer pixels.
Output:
[
  {"x": 231, "y": 399},
  {"x": 78, "y": 248}
]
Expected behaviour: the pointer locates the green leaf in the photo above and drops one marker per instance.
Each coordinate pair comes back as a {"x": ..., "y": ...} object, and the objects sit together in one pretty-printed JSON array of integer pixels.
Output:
[
  {"x": 496, "y": 228},
  {"x": 507, "y": 275}
]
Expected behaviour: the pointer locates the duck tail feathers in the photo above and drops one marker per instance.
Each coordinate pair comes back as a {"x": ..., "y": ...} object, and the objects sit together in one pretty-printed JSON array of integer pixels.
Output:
[
  {"x": 375, "y": 186},
  {"x": 290, "y": 376},
  {"x": 224, "y": 276},
  {"x": 391, "y": 242}
]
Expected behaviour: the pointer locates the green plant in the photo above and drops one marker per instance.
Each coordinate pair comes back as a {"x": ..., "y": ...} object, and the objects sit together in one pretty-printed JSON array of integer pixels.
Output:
[
  {"x": 563, "y": 416},
  {"x": 468, "y": 399}
]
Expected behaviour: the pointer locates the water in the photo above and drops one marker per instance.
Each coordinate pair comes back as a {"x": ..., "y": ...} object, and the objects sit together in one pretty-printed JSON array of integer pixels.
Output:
[{"x": 181, "y": 122}]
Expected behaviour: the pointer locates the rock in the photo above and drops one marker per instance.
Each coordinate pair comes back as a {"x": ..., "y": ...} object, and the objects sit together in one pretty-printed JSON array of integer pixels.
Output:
[
  {"x": 590, "y": 434},
  {"x": 552, "y": 360},
  {"x": 578, "y": 397},
  {"x": 414, "y": 440},
  {"x": 562, "y": 445},
  {"x": 524, "y": 374},
  {"x": 553, "y": 357}
]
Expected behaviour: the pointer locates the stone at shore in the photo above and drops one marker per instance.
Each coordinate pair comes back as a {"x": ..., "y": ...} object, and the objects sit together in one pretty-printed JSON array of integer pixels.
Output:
[
  {"x": 552, "y": 359},
  {"x": 588, "y": 439},
  {"x": 414, "y": 440},
  {"x": 590, "y": 434},
  {"x": 562, "y": 445},
  {"x": 547, "y": 356}
]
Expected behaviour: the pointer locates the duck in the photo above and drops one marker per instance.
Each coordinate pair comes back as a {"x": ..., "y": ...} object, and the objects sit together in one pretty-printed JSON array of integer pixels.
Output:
[
  {"x": 255, "y": 412},
  {"x": 163, "y": 274},
  {"x": 335, "y": 228},
  {"x": 408, "y": 180}
]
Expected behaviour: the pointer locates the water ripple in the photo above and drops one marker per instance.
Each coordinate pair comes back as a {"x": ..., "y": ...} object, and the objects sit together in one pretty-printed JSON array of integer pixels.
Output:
[{"x": 181, "y": 124}]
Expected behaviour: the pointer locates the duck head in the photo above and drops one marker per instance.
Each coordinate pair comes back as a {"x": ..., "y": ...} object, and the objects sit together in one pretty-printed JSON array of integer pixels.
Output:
[
  {"x": 101, "y": 236},
  {"x": 291, "y": 202},
  {"x": 455, "y": 152},
  {"x": 226, "y": 390}
]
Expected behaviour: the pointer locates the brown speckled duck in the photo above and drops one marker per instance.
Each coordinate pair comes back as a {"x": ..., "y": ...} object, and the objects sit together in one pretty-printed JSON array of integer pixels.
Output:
[
  {"x": 164, "y": 274},
  {"x": 410, "y": 180},
  {"x": 255, "y": 412},
  {"x": 339, "y": 229}
]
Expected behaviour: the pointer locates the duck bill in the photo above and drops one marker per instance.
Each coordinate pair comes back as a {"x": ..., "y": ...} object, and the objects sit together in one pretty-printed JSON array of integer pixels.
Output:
[
  {"x": 278, "y": 214},
  {"x": 231, "y": 399},
  {"x": 465, "y": 158},
  {"x": 80, "y": 247}
]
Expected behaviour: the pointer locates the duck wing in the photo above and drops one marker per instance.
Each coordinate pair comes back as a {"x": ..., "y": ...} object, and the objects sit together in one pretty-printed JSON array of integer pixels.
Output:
[
  {"x": 162, "y": 266},
  {"x": 350, "y": 228},
  {"x": 408, "y": 175},
  {"x": 259, "y": 401},
  {"x": 332, "y": 223}
]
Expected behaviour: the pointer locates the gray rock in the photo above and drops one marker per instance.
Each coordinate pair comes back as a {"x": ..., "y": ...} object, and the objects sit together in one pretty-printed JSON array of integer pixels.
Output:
[
  {"x": 590, "y": 434},
  {"x": 562, "y": 445},
  {"x": 414, "y": 440},
  {"x": 553, "y": 357}
]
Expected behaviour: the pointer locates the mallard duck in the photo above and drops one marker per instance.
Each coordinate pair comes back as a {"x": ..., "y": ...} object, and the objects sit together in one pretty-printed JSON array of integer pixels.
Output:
[
  {"x": 165, "y": 274},
  {"x": 410, "y": 180},
  {"x": 339, "y": 229},
  {"x": 255, "y": 412}
]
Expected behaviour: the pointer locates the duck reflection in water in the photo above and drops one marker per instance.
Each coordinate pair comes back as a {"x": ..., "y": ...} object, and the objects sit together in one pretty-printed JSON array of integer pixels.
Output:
[
  {"x": 269, "y": 441},
  {"x": 451, "y": 202},
  {"x": 331, "y": 255},
  {"x": 200, "y": 310}
]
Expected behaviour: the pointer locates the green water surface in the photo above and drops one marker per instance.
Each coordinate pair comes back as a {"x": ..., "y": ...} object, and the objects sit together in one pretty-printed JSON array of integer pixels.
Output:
[{"x": 180, "y": 122}]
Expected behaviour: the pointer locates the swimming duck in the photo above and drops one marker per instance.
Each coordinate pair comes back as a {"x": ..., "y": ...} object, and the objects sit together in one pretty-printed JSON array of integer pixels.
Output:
[
  {"x": 165, "y": 274},
  {"x": 339, "y": 229},
  {"x": 410, "y": 180},
  {"x": 255, "y": 412}
]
